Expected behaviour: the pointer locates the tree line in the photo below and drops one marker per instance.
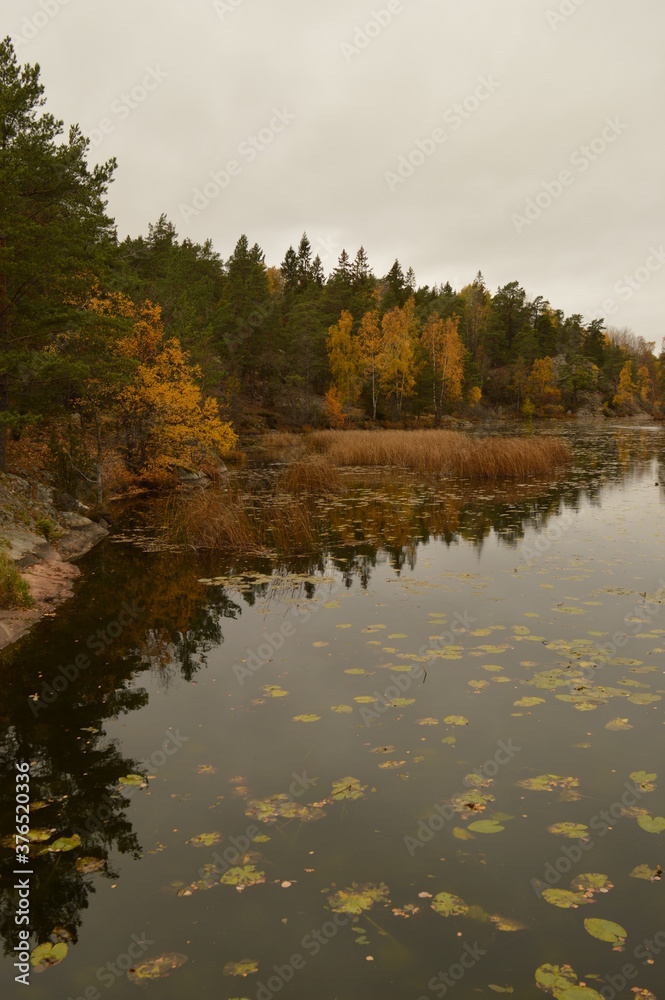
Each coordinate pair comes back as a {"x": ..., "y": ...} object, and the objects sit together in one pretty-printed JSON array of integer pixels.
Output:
[{"x": 153, "y": 351}]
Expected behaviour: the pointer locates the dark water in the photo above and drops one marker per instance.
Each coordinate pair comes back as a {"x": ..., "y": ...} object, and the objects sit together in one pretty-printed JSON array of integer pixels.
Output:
[{"x": 460, "y": 600}]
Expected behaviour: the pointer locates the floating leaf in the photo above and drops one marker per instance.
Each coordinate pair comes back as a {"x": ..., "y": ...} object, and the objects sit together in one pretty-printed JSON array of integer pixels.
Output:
[
  {"x": 456, "y": 720},
  {"x": 652, "y": 824},
  {"x": 500, "y": 989},
  {"x": 89, "y": 865},
  {"x": 575, "y": 831},
  {"x": 529, "y": 702},
  {"x": 564, "y": 899},
  {"x": 282, "y": 806},
  {"x": 247, "y": 875},
  {"x": 132, "y": 779},
  {"x": 348, "y": 788},
  {"x": 65, "y": 844},
  {"x": 447, "y": 905},
  {"x": 647, "y": 782},
  {"x": 46, "y": 955},
  {"x": 156, "y": 968},
  {"x": 306, "y": 718},
  {"x": 246, "y": 967},
  {"x": 462, "y": 834},
  {"x": 486, "y": 826},
  {"x": 548, "y": 782},
  {"x": 649, "y": 874},
  {"x": 205, "y": 839},
  {"x": 506, "y": 923},
  {"x": 553, "y": 978},
  {"x": 591, "y": 882},
  {"x": 618, "y": 725},
  {"x": 359, "y": 898},
  {"x": 341, "y": 708},
  {"x": 402, "y": 702},
  {"x": 274, "y": 691},
  {"x": 606, "y": 930}
]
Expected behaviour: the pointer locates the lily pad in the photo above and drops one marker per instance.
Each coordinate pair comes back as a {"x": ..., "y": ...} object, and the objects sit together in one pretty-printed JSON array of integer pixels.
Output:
[
  {"x": 132, "y": 779},
  {"x": 647, "y": 782},
  {"x": 606, "y": 930},
  {"x": 649, "y": 874},
  {"x": 564, "y": 898},
  {"x": 486, "y": 826},
  {"x": 306, "y": 718},
  {"x": 456, "y": 720},
  {"x": 574, "y": 831},
  {"x": 652, "y": 824},
  {"x": 89, "y": 865},
  {"x": 241, "y": 877},
  {"x": 246, "y": 967},
  {"x": 591, "y": 882},
  {"x": 341, "y": 709},
  {"x": 156, "y": 968},
  {"x": 555, "y": 978},
  {"x": 358, "y": 898},
  {"x": 46, "y": 955},
  {"x": 448, "y": 905},
  {"x": 63, "y": 844},
  {"x": 205, "y": 839},
  {"x": 348, "y": 788}
]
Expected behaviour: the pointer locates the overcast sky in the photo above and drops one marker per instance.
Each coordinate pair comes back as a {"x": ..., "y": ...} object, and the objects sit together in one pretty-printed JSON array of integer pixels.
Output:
[{"x": 563, "y": 93}]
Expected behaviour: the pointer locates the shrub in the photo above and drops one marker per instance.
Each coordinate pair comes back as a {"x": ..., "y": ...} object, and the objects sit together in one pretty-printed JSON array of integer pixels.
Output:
[{"x": 14, "y": 588}]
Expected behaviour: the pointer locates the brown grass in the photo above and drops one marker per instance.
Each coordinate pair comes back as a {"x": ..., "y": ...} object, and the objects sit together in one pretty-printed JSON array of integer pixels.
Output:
[
  {"x": 448, "y": 452},
  {"x": 313, "y": 475},
  {"x": 225, "y": 519}
]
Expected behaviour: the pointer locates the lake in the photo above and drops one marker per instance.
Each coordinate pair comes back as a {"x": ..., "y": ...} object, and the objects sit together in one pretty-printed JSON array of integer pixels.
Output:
[{"x": 383, "y": 771}]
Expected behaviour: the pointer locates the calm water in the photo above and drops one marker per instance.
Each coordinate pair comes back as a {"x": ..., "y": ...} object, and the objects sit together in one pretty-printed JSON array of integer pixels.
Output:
[{"x": 452, "y": 644}]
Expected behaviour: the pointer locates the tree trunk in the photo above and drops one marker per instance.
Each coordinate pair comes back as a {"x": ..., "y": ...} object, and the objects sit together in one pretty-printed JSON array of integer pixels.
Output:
[{"x": 4, "y": 337}]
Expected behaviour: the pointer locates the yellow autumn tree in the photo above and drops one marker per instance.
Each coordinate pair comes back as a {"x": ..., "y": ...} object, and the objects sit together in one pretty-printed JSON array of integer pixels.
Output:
[
  {"x": 541, "y": 389},
  {"x": 626, "y": 390},
  {"x": 139, "y": 392},
  {"x": 370, "y": 340},
  {"x": 334, "y": 408},
  {"x": 644, "y": 383},
  {"x": 166, "y": 417},
  {"x": 445, "y": 354},
  {"x": 344, "y": 357},
  {"x": 397, "y": 355}
]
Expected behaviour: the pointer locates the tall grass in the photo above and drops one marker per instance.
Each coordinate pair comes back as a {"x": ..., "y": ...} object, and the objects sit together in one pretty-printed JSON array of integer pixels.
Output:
[
  {"x": 226, "y": 519},
  {"x": 14, "y": 588},
  {"x": 448, "y": 452},
  {"x": 313, "y": 474}
]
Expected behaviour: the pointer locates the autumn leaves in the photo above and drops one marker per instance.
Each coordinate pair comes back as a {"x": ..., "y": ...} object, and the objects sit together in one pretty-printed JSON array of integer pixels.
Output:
[{"x": 386, "y": 354}]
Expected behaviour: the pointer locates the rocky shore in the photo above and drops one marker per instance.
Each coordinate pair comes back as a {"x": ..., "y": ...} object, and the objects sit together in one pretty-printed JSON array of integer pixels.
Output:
[{"x": 44, "y": 541}]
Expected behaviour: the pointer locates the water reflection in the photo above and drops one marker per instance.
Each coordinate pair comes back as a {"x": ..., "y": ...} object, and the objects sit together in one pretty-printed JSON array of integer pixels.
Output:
[{"x": 178, "y": 620}]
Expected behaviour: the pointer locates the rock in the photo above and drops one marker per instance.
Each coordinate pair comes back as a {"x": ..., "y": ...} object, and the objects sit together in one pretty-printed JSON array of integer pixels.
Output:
[
  {"x": 76, "y": 522},
  {"x": 65, "y": 501},
  {"x": 81, "y": 539}
]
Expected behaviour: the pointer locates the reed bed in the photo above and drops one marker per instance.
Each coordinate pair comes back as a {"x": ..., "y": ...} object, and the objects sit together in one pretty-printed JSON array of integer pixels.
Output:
[
  {"x": 313, "y": 475},
  {"x": 227, "y": 520},
  {"x": 440, "y": 451}
]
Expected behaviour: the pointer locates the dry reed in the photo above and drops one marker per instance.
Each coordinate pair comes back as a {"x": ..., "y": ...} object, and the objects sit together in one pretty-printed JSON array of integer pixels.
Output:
[
  {"x": 440, "y": 451},
  {"x": 312, "y": 475}
]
